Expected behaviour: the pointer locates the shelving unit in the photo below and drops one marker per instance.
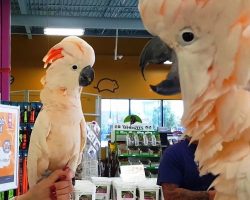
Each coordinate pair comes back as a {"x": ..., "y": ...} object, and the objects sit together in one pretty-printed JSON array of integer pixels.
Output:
[
  {"x": 30, "y": 106},
  {"x": 28, "y": 114},
  {"x": 91, "y": 111},
  {"x": 94, "y": 110},
  {"x": 137, "y": 144},
  {"x": 138, "y": 156}
]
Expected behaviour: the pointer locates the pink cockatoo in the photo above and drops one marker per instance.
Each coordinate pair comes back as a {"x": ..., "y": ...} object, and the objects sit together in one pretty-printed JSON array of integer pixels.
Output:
[
  {"x": 210, "y": 43},
  {"x": 59, "y": 134}
]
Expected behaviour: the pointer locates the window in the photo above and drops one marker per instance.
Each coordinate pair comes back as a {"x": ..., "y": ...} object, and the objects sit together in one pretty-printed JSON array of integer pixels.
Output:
[
  {"x": 165, "y": 113},
  {"x": 172, "y": 113},
  {"x": 148, "y": 110},
  {"x": 112, "y": 111}
]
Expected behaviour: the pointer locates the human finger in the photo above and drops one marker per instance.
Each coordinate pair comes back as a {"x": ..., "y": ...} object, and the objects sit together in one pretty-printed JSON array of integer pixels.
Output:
[
  {"x": 56, "y": 175},
  {"x": 64, "y": 187},
  {"x": 69, "y": 174},
  {"x": 64, "y": 197},
  {"x": 53, "y": 193}
]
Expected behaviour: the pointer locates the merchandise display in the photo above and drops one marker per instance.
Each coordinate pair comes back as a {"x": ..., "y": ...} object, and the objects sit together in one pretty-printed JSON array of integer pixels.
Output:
[
  {"x": 9, "y": 130},
  {"x": 145, "y": 189},
  {"x": 89, "y": 165},
  {"x": 137, "y": 144},
  {"x": 87, "y": 169},
  {"x": 28, "y": 114},
  {"x": 103, "y": 188}
]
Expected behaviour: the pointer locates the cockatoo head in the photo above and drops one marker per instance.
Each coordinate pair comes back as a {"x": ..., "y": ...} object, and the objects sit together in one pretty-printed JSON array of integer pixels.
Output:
[
  {"x": 205, "y": 40},
  {"x": 71, "y": 63}
]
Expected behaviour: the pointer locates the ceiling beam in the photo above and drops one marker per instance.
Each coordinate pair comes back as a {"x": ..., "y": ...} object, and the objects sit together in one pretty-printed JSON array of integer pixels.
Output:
[
  {"x": 76, "y": 22},
  {"x": 23, "y": 8}
]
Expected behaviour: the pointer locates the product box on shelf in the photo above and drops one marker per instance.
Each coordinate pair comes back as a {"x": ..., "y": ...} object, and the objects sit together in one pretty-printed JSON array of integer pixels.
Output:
[
  {"x": 84, "y": 190},
  {"x": 134, "y": 150},
  {"x": 123, "y": 190},
  {"x": 144, "y": 150},
  {"x": 103, "y": 186},
  {"x": 117, "y": 188},
  {"x": 134, "y": 161},
  {"x": 155, "y": 151},
  {"x": 120, "y": 132},
  {"x": 123, "y": 161},
  {"x": 122, "y": 148},
  {"x": 162, "y": 196},
  {"x": 148, "y": 190}
]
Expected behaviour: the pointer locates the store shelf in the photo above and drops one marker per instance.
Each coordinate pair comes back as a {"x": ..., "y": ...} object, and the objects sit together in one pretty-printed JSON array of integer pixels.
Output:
[
  {"x": 138, "y": 156},
  {"x": 131, "y": 150},
  {"x": 22, "y": 124},
  {"x": 151, "y": 168},
  {"x": 143, "y": 146}
]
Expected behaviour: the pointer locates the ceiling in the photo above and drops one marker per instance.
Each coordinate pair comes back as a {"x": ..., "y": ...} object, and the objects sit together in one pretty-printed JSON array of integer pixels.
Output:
[{"x": 98, "y": 17}]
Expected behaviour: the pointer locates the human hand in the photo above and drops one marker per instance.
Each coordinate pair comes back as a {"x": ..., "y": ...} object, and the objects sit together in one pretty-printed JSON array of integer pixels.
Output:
[
  {"x": 211, "y": 194},
  {"x": 57, "y": 186}
]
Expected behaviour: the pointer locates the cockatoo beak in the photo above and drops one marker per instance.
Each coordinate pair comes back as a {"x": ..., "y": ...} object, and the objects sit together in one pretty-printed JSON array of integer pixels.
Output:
[
  {"x": 157, "y": 52},
  {"x": 86, "y": 76}
]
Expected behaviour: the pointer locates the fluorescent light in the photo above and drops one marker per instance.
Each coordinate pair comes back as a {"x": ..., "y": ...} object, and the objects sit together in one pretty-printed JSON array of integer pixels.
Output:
[
  {"x": 167, "y": 62},
  {"x": 63, "y": 31}
]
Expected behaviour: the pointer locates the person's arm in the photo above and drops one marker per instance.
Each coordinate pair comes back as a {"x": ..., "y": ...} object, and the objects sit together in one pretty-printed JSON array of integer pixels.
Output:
[
  {"x": 57, "y": 186},
  {"x": 173, "y": 192}
]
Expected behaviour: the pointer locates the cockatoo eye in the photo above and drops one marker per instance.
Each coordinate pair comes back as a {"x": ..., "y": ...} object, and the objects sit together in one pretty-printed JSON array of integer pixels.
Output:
[
  {"x": 187, "y": 37},
  {"x": 74, "y": 67}
]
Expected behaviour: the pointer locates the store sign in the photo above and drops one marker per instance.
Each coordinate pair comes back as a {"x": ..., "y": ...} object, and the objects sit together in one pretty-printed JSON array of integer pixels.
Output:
[
  {"x": 133, "y": 127},
  {"x": 9, "y": 130}
]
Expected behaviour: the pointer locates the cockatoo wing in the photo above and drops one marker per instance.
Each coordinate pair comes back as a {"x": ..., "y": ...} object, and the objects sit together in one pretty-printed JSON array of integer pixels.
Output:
[
  {"x": 38, "y": 155},
  {"x": 83, "y": 139}
]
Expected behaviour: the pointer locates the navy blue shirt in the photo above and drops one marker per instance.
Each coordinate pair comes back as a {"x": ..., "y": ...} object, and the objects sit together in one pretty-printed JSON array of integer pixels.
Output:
[{"x": 178, "y": 167}]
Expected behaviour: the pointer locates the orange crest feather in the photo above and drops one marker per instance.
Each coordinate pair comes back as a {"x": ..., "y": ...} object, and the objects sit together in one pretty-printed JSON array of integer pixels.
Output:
[
  {"x": 52, "y": 56},
  {"x": 202, "y": 2}
]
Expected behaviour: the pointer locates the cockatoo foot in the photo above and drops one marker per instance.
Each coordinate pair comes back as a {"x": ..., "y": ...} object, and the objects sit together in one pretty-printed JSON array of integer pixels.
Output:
[{"x": 44, "y": 175}]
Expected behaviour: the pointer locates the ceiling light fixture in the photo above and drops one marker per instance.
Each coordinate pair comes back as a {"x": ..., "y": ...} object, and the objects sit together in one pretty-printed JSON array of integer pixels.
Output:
[
  {"x": 168, "y": 62},
  {"x": 63, "y": 31}
]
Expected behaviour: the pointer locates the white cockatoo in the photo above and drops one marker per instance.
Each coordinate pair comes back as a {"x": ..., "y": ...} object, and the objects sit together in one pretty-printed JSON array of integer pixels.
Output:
[
  {"x": 59, "y": 134},
  {"x": 210, "y": 43}
]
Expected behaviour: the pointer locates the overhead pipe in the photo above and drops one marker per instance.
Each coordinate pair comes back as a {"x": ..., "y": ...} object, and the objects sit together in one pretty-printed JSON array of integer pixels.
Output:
[
  {"x": 116, "y": 44},
  {"x": 116, "y": 55}
]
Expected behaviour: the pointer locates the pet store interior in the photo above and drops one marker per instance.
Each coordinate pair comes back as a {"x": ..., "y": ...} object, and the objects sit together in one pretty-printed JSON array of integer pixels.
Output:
[{"x": 130, "y": 120}]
